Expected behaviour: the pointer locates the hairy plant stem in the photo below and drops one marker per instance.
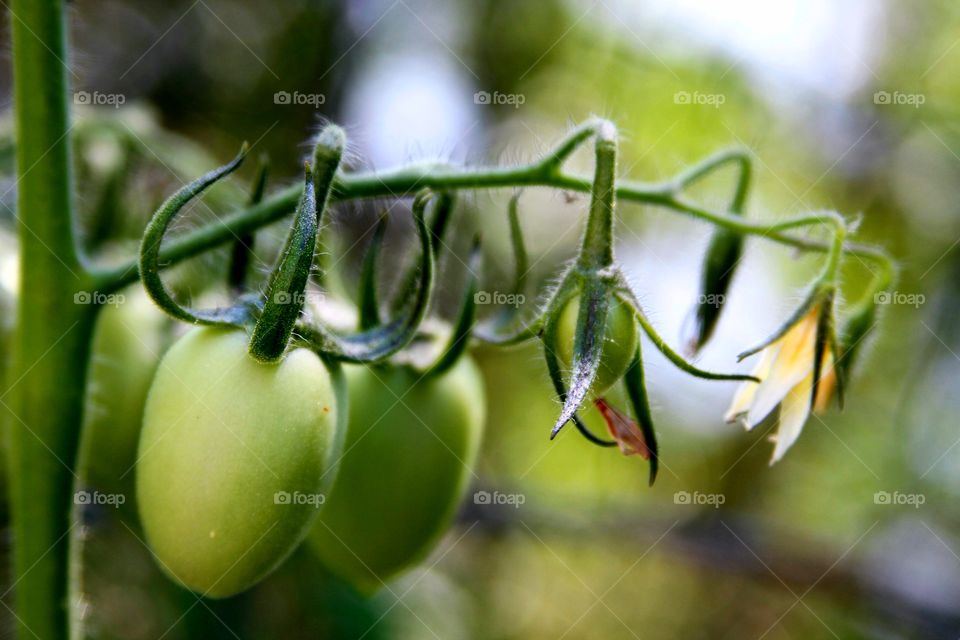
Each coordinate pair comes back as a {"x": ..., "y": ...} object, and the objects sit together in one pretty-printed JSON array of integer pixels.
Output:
[
  {"x": 546, "y": 172},
  {"x": 51, "y": 346},
  {"x": 43, "y": 405},
  {"x": 596, "y": 252}
]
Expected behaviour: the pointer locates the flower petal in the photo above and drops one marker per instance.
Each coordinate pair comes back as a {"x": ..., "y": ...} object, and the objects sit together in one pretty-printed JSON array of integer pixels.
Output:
[
  {"x": 746, "y": 391},
  {"x": 794, "y": 411},
  {"x": 794, "y": 361},
  {"x": 827, "y": 385}
]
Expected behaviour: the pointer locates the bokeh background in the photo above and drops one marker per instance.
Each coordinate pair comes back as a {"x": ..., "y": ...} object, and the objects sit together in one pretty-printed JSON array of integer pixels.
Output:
[{"x": 846, "y": 104}]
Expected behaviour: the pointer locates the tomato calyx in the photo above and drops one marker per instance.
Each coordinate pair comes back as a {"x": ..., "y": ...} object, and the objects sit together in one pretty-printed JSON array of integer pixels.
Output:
[
  {"x": 275, "y": 319},
  {"x": 501, "y": 329},
  {"x": 234, "y": 316},
  {"x": 429, "y": 353},
  {"x": 388, "y": 337},
  {"x": 588, "y": 343},
  {"x": 288, "y": 280}
]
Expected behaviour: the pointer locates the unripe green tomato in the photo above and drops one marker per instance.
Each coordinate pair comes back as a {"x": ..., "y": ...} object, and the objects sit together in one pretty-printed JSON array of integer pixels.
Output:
[
  {"x": 234, "y": 456},
  {"x": 408, "y": 457},
  {"x": 129, "y": 338},
  {"x": 619, "y": 342}
]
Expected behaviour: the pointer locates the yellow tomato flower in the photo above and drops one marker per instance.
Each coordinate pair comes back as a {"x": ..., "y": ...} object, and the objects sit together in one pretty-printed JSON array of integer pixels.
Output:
[{"x": 786, "y": 371}]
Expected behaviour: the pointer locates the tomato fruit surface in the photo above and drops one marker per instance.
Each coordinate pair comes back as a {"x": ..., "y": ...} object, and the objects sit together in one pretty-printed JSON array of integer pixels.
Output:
[
  {"x": 619, "y": 342},
  {"x": 232, "y": 457},
  {"x": 409, "y": 454},
  {"x": 128, "y": 341}
]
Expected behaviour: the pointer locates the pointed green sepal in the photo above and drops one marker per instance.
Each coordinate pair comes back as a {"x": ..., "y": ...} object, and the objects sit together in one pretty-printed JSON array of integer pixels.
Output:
[
  {"x": 587, "y": 347},
  {"x": 459, "y": 338},
  {"x": 636, "y": 390},
  {"x": 288, "y": 281},
  {"x": 367, "y": 299},
  {"x": 387, "y": 339},
  {"x": 150, "y": 252}
]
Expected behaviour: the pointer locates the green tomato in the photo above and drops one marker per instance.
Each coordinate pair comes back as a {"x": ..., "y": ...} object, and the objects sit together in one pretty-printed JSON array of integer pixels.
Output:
[
  {"x": 619, "y": 342},
  {"x": 408, "y": 458},
  {"x": 234, "y": 457},
  {"x": 128, "y": 340}
]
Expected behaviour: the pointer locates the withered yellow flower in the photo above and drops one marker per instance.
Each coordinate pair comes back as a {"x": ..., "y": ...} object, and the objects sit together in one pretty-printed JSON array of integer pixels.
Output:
[{"x": 786, "y": 371}]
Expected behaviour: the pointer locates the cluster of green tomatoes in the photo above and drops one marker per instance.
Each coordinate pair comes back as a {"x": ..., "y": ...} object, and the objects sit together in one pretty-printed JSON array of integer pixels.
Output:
[
  {"x": 238, "y": 461},
  {"x": 245, "y": 441},
  {"x": 269, "y": 424},
  {"x": 264, "y": 428}
]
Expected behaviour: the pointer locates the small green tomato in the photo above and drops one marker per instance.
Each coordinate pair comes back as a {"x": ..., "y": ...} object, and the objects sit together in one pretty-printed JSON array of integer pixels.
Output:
[
  {"x": 128, "y": 341},
  {"x": 619, "y": 342},
  {"x": 233, "y": 459},
  {"x": 408, "y": 457}
]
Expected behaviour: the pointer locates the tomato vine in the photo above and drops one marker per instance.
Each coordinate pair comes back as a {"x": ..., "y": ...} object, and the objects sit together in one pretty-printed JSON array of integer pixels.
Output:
[{"x": 52, "y": 342}]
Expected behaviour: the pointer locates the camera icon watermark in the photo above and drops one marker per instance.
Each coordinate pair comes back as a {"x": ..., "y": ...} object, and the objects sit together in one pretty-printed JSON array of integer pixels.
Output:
[
  {"x": 914, "y": 100},
  {"x": 498, "y": 298},
  {"x": 496, "y": 497},
  {"x": 914, "y": 300},
  {"x": 714, "y": 100},
  {"x": 296, "y": 98},
  {"x": 98, "y": 99},
  {"x": 298, "y": 498},
  {"x": 97, "y": 498},
  {"x": 699, "y": 499},
  {"x": 496, "y": 98},
  {"x": 896, "y": 498},
  {"x": 99, "y": 298}
]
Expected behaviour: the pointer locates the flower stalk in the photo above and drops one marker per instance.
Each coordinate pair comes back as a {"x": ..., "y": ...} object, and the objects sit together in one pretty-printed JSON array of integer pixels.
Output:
[{"x": 596, "y": 250}]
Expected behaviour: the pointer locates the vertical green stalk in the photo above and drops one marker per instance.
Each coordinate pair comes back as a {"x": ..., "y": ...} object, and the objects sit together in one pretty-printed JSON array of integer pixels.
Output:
[
  {"x": 52, "y": 340},
  {"x": 596, "y": 252}
]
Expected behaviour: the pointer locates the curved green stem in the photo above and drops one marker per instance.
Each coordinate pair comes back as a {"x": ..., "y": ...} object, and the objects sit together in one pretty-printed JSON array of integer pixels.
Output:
[
  {"x": 674, "y": 357},
  {"x": 835, "y": 253},
  {"x": 882, "y": 279},
  {"x": 709, "y": 164},
  {"x": 552, "y": 162}
]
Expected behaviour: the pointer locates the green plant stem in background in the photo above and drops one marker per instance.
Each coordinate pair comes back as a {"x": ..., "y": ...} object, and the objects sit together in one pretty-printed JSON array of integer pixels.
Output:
[{"x": 44, "y": 402}]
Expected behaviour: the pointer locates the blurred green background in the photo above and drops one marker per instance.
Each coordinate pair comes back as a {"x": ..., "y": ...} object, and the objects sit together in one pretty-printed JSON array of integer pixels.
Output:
[{"x": 846, "y": 104}]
